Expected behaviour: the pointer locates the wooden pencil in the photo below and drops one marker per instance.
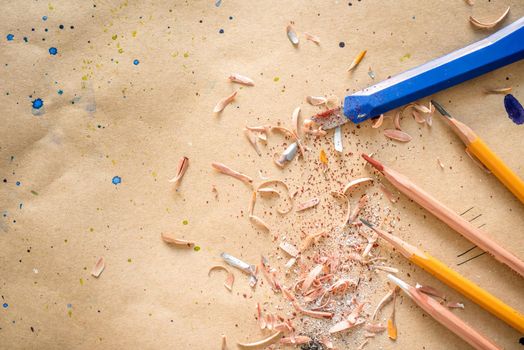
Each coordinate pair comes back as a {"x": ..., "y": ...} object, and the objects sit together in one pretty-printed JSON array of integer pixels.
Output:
[
  {"x": 445, "y": 317},
  {"x": 452, "y": 219},
  {"x": 478, "y": 148},
  {"x": 453, "y": 279}
]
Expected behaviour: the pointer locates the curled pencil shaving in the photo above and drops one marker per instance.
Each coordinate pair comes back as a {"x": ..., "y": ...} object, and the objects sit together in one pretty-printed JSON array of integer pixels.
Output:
[
  {"x": 312, "y": 38},
  {"x": 252, "y": 138},
  {"x": 392, "y": 327},
  {"x": 241, "y": 79},
  {"x": 503, "y": 90},
  {"x": 440, "y": 164},
  {"x": 316, "y": 100},
  {"x": 313, "y": 202},
  {"x": 396, "y": 120},
  {"x": 312, "y": 275},
  {"x": 357, "y": 60},
  {"x": 263, "y": 343},
  {"x": 291, "y": 34},
  {"x": 311, "y": 313},
  {"x": 348, "y": 206},
  {"x": 385, "y": 268},
  {"x": 259, "y": 222},
  {"x": 378, "y": 122},
  {"x": 294, "y": 121},
  {"x": 386, "y": 299},
  {"x": 224, "y": 102},
  {"x": 221, "y": 168},
  {"x": 261, "y": 131},
  {"x": 230, "y": 279},
  {"x": 99, "y": 267},
  {"x": 397, "y": 135},
  {"x": 374, "y": 327},
  {"x": 353, "y": 183},
  {"x": 183, "y": 163},
  {"x": 264, "y": 185},
  {"x": 349, "y": 322},
  {"x": 470, "y": 2},
  {"x": 171, "y": 239},
  {"x": 488, "y": 25},
  {"x": 252, "y": 203}
]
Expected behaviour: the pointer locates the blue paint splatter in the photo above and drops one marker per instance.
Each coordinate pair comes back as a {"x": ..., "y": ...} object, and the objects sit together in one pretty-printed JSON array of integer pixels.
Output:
[
  {"x": 25, "y": 39},
  {"x": 10, "y": 37},
  {"x": 514, "y": 109},
  {"x": 53, "y": 51},
  {"x": 116, "y": 180},
  {"x": 69, "y": 306},
  {"x": 18, "y": 183},
  {"x": 341, "y": 44},
  {"x": 21, "y": 205},
  {"x": 5, "y": 305},
  {"x": 221, "y": 31},
  {"x": 218, "y": 3},
  {"x": 61, "y": 26},
  {"x": 136, "y": 62},
  {"x": 38, "y": 103},
  {"x": 44, "y": 18},
  {"x": 60, "y": 92}
]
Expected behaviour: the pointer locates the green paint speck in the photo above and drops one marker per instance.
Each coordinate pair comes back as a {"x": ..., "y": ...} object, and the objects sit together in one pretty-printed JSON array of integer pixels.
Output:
[
  {"x": 186, "y": 54},
  {"x": 91, "y": 229},
  {"x": 69, "y": 313},
  {"x": 129, "y": 260},
  {"x": 114, "y": 37},
  {"x": 275, "y": 79},
  {"x": 34, "y": 192},
  {"x": 120, "y": 50},
  {"x": 185, "y": 222},
  {"x": 81, "y": 281},
  {"x": 405, "y": 57},
  {"x": 196, "y": 248},
  {"x": 133, "y": 33}
]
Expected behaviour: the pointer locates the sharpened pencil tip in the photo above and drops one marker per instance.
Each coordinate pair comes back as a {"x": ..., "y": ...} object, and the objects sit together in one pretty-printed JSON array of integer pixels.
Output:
[
  {"x": 399, "y": 282},
  {"x": 375, "y": 163},
  {"x": 365, "y": 222},
  {"x": 441, "y": 109}
]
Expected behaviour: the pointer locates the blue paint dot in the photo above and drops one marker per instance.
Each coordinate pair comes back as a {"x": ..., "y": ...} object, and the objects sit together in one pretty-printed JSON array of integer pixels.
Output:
[
  {"x": 69, "y": 306},
  {"x": 18, "y": 183},
  {"x": 53, "y": 51},
  {"x": 341, "y": 44},
  {"x": 38, "y": 103},
  {"x": 60, "y": 92},
  {"x": 221, "y": 31},
  {"x": 61, "y": 26},
  {"x": 116, "y": 180},
  {"x": 136, "y": 62},
  {"x": 10, "y": 37},
  {"x": 44, "y": 18},
  {"x": 230, "y": 18},
  {"x": 25, "y": 39},
  {"x": 21, "y": 205},
  {"x": 5, "y": 305}
]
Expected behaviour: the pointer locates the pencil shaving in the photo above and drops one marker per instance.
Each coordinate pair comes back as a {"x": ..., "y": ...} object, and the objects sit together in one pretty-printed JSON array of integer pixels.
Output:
[
  {"x": 353, "y": 183},
  {"x": 357, "y": 60},
  {"x": 313, "y": 202},
  {"x": 316, "y": 100},
  {"x": 221, "y": 168},
  {"x": 99, "y": 267},
  {"x": 259, "y": 222},
  {"x": 378, "y": 122},
  {"x": 224, "y": 102},
  {"x": 397, "y": 135},
  {"x": 171, "y": 239},
  {"x": 183, "y": 163},
  {"x": 241, "y": 79},
  {"x": 312, "y": 38},
  {"x": 488, "y": 25},
  {"x": 263, "y": 343}
]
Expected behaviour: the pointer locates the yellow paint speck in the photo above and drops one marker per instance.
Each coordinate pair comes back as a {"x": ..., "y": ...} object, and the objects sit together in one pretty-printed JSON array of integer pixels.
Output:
[
  {"x": 114, "y": 37},
  {"x": 84, "y": 77},
  {"x": 275, "y": 79},
  {"x": 186, "y": 54},
  {"x": 70, "y": 313},
  {"x": 50, "y": 7},
  {"x": 153, "y": 173},
  {"x": 81, "y": 281},
  {"x": 120, "y": 50},
  {"x": 133, "y": 33}
]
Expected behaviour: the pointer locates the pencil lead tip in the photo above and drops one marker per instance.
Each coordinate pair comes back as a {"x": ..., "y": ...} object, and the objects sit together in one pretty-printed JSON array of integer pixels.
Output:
[
  {"x": 403, "y": 285},
  {"x": 367, "y": 223},
  {"x": 375, "y": 163},
  {"x": 441, "y": 109}
]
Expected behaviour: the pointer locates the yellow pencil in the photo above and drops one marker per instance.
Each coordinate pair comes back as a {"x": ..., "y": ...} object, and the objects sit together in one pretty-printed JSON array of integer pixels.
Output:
[
  {"x": 476, "y": 147},
  {"x": 453, "y": 279}
]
